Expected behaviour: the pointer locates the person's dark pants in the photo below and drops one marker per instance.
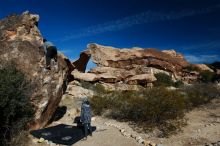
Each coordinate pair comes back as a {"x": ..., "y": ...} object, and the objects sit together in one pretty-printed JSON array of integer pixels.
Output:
[
  {"x": 87, "y": 127},
  {"x": 50, "y": 54}
]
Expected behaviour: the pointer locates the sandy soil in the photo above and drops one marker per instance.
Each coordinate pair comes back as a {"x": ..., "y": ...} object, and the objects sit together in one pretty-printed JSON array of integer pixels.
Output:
[{"x": 203, "y": 127}]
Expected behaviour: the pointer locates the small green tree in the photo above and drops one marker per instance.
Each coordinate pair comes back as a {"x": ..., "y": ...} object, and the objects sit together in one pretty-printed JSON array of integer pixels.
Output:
[
  {"x": 191, "y": 68},
  {"x": 15, "y": 107},
  {"x": 163, "y": 80},
  {"x": 207, "y": 76}
]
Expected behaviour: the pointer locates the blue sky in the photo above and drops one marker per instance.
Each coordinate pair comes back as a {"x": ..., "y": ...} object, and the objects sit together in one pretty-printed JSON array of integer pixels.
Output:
[{"x": 191, "y": 27}]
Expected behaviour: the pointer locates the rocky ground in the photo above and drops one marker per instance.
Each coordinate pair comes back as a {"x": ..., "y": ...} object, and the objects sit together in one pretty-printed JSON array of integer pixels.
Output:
[{"x": 203, "y": 128}]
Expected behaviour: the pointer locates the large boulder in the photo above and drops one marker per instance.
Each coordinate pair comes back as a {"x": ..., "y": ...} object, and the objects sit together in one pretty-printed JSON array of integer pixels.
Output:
[
  {"x": 141, "y": 79},
  {"x": 130, "y": 66},
  {"x": 20, "y": 42},
  {"x": 131, "y": 58},
  {"x": 89, "y": 77}
]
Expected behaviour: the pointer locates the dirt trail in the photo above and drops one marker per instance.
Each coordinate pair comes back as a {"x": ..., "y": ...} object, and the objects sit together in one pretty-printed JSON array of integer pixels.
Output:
[{"x": 203, "y": 128}]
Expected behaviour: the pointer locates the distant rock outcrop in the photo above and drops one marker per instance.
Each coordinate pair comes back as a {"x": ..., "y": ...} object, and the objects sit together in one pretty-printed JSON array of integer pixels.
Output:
[
  {"x": 202, "y": 67},
  {"x": 20, "y": 42},
  {"x": 134, "y": 66},
  {"x": 131, "y": 58}
]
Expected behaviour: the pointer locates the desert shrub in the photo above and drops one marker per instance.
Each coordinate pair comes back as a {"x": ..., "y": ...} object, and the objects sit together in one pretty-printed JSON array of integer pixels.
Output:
[
  {"x": 207, "y": 76},
  {"x": 99, "y": 88},
  {"x": 191, "y": 68},
  {"x": 178, "y": 84},
  {"x": 86, "y": 85},
  {"x": 163, "y": 80},
  {"x": 156, "y": 107},
  {"x": 21, "y": 139},
  {"x": 200, "y": 94},
  {"x": 15, "y": 107},
  {"x": 147, "y": 108}
]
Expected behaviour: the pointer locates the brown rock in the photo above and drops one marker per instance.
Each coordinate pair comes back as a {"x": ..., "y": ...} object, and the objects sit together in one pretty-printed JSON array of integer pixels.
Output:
[
  {"x": 130, "y": 58},
  {"x": 120, "y": 87},
  {"x": 202, "y": 67},
  {"x": 20, "y": 41},
  {"x": 141, "y": 79},
  {"x": 81, "y": 63},
  {"x": 89, "y": 77},
  {"x": 132, "y": 66},
  {"x": 218, "y": 71},
  {"x": 105, "y": 77},
  {"x": 78, "y": 91},
  {"x": 173, "y": 53},
  {"x": 112, "y": 75}
]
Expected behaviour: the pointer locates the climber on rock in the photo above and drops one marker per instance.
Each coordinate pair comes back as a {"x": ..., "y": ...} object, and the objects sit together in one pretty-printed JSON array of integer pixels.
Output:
[
  {"x": 50, "y": 52},
  {"x": 85, "y": 117}
]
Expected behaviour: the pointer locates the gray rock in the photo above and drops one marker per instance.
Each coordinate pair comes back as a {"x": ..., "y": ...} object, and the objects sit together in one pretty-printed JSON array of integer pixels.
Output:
[{"x": 140, "y": 140}]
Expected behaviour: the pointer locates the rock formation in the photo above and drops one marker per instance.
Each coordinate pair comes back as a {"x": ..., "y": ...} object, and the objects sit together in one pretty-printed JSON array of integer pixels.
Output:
[
  {"x": 81, "y": 63},
  {"x": 202, "y": 67},
  {"x": 131, "y": 58},
  {"x": 20, "y": 42},
  {"x": 135, "y": 66}
]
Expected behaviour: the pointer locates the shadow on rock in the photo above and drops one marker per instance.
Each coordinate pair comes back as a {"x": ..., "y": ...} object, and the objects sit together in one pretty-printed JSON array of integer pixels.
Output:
[
  {"x": 58, "y": 114},
  {"x": 61, "y": 134}
]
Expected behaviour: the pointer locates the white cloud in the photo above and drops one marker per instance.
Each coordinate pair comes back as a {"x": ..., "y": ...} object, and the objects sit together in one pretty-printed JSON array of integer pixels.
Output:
[
  {"x": 145, "y": 17},
  {"x": 202, "y": 58}
]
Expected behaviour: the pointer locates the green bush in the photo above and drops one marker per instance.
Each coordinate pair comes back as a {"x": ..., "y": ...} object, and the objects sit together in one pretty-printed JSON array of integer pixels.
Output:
[
  {"x": 200, "y": 94},
  {"x": 191, "y": 68},
  {"x": 178, "y": 84},
  {"x": 147, "y": 108},
  {"x": 156, "y": 107},
  {"x": 207, "y": 76},
  {"x": 15, "y": 107},
  {"x": 163, "y": 80}
]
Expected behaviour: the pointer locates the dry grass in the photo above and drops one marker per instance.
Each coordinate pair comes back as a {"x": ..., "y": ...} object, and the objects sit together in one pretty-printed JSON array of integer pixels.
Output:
[{"x": 150, "y": 108}]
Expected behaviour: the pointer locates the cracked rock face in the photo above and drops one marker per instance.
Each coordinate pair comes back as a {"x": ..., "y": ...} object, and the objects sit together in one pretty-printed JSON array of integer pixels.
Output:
[
  {"x": 131, "y": 58},
  {"x": 134, "y": 66},
  {"x": 20, "y": 42},
  {"x": 130, "y": 66}
]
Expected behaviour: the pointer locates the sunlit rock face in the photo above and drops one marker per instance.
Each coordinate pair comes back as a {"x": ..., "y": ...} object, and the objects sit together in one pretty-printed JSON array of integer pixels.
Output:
[
  {"x": 130, "y": 66},
  {"x": 20, "y": 42},
  {"x": 134, "y": 57},
  {"x": 202, "y": 67}
]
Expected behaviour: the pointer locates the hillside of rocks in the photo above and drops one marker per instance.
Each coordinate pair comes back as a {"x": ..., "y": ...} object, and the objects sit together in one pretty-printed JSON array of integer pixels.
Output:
[
  {"x": 131, "y": 68},
  {"x": 133, "y": 65}
]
